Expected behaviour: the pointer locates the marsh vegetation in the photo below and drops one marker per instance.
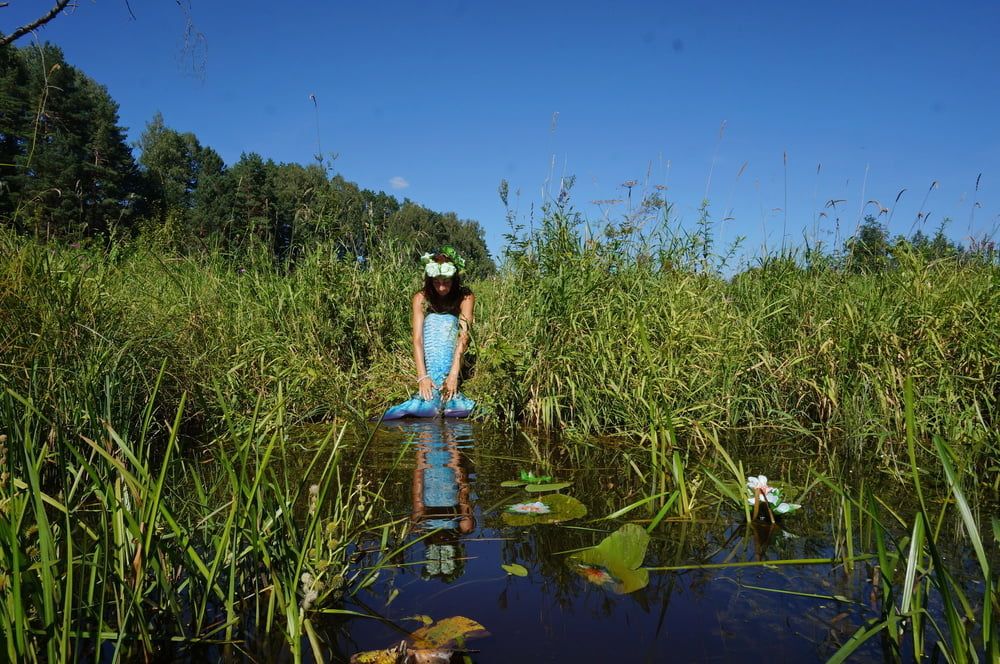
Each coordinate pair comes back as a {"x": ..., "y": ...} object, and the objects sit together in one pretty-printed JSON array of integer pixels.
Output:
[{"x": 187, "y": 470}]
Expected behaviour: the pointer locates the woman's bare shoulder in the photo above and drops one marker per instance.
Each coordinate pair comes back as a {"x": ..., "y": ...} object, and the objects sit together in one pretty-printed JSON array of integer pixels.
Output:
[{"x": 419, "y": 297}]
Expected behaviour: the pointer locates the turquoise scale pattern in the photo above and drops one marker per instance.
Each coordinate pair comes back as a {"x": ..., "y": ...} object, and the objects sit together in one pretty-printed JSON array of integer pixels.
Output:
[{"x": 440, "y": 337}]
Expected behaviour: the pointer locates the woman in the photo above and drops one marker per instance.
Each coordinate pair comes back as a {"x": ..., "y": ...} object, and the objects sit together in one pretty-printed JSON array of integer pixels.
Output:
[{"x": 442, "y": 316}]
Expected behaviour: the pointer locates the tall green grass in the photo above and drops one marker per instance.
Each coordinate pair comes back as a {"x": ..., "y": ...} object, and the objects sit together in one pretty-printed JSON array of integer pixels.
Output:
[
  {"x": 120, "y": 366},
  {"x": 928, "y": 607},
  {"x": 124, "y": 545},
  {"x": 91, "y": 327},
  {"x": 626, "y": 332},
  {"x": 623, "y": 334}
]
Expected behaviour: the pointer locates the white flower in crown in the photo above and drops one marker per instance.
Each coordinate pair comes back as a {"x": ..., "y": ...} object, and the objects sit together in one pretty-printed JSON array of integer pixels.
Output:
[
  {"x": 427, "y": 258},
  {"x": 439, "y": 269}
]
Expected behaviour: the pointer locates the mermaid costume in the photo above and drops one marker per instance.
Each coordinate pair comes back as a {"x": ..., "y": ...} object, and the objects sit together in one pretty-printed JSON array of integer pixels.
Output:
[{"x": 440, "y": 337}]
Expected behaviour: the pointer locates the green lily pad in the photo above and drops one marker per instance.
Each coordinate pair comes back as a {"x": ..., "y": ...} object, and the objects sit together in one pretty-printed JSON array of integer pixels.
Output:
[
  {"x": 512, "y": 483},
  {"x": 515, "y": 569},
  {"x": 561, "y": 508},
  {"x": 555, "y": 486},
  {"x": 616, "y": 562}
]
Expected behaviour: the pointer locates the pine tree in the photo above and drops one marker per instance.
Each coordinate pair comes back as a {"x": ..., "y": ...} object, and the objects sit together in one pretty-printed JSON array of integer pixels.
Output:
[
  {"x": 74, "y": 175},
  {"x": 13, "y": 121}
]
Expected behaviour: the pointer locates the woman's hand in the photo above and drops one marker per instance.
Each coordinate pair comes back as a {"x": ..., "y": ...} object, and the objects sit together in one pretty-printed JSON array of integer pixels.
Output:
[
  {"x": 450, "y": 387},
  {"x": 426, "y": 386}
]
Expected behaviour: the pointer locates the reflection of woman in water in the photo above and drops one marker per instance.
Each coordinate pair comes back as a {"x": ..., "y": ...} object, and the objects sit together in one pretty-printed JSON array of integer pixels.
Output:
[
  {"x": 442, "y": 316},
  {"x": 441, "y": 500}
]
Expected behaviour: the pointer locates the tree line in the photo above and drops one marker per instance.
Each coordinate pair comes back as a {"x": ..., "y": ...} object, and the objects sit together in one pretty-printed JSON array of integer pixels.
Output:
[{"x": 67, "y": 173}]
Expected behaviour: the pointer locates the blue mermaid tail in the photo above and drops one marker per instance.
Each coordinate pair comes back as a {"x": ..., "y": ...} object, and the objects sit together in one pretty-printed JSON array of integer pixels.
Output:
[{"x": 440, "y": 337}]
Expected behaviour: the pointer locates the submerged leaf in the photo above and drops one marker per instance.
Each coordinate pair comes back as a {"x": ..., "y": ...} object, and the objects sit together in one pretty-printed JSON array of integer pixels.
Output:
[
  {"x": 515, "y": 569},
  {"x": 615, "y": 562},
  {"x": 536, "y": 488},
  {"x": 447, "y": 632},
  {"x": 561, "y": 508}
]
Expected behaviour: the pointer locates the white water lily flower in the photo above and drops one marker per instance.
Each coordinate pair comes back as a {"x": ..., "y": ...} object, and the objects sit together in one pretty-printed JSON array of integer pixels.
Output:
[
  {"x": 537, "y": 507},
  {"x": 773, "y": 495},
  {"x": 770, "y": 497},
  {"x": 447, "y": 269}
]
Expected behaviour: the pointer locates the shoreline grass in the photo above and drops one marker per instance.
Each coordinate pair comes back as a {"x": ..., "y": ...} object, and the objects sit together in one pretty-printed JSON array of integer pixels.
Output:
[{"x": 631, "y": 336}]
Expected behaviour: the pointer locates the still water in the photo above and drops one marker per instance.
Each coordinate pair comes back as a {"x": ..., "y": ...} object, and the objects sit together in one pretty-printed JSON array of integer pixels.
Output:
[{"x": 445, "y": 478}]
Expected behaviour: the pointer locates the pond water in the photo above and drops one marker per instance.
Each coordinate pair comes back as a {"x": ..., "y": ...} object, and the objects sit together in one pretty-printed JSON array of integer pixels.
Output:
[{"x": 445, "y": 477}]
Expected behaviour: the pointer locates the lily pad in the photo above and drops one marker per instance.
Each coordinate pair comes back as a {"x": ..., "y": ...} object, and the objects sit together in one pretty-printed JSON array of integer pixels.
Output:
[
  {"x": 447, "y": 632},
  {"x": 537, "y": 488},
  {"x": 515, "y": 569},
  {"x": 561, "y": 508},
  {"x": 512, "y": 483},
  {"x": 616, "y": 562}
]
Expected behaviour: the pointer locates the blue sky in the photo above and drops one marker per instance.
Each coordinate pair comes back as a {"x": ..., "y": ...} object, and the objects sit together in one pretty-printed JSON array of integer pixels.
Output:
[{"x": 439, "y": 101}]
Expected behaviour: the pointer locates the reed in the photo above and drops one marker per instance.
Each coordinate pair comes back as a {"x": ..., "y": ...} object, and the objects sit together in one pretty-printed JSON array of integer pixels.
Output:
[
  {"x": 78, "y": 325},
  {"x": 926, "y": 606},
  {"x": 136, "y": 545},
  {"x": 615, "y": 335},
  {"x": 123, "y": 368},
  {"x": 637, "y": 334}
]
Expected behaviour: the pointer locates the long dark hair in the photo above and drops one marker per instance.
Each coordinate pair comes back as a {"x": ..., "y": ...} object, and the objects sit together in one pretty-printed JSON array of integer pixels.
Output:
[{"x": 452, "y": 301}]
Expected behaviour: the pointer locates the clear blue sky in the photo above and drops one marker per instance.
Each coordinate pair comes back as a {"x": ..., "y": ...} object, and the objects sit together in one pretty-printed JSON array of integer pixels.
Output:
[{"x": 444, "y": 99}]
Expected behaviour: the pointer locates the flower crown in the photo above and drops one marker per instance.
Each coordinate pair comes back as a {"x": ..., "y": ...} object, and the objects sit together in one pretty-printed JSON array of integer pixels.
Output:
[{"x": 447, "y": 269}]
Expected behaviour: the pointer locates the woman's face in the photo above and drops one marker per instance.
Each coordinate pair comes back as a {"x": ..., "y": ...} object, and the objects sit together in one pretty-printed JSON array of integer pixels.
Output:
[{"x": 442, "y": 285}]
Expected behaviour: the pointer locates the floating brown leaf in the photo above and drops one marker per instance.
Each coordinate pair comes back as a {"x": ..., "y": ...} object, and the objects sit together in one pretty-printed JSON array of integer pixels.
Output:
[{"x": 447, "y": 632}]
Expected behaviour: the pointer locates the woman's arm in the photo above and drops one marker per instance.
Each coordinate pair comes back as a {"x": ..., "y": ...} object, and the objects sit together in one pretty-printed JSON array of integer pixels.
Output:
[
  {"x": 465, "y": 320},
  {"x": 424, "y": 382}
]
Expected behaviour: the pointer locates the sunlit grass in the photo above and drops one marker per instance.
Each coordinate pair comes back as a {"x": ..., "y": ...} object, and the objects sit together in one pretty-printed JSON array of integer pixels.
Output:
[
  {"x": 123, "y": 370},
  {"x": 138, "y": 544}
]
